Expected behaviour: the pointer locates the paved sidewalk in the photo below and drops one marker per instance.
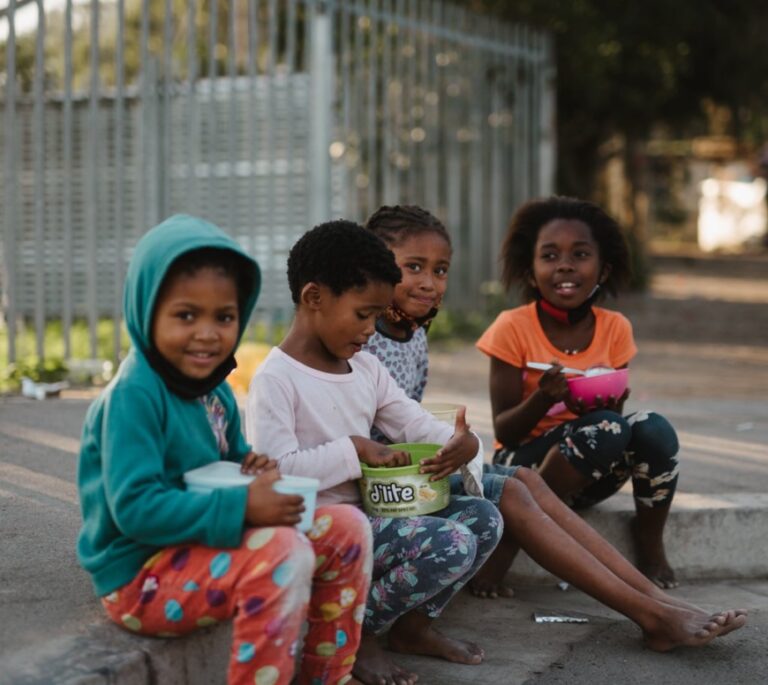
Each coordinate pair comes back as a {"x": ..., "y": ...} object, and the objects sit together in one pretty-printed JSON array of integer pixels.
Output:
[{"x": 710, "y": 384}]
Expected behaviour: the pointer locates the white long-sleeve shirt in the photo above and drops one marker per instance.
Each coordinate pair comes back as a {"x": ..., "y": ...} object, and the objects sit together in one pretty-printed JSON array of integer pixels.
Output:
[{"x": 304, "y": 418}]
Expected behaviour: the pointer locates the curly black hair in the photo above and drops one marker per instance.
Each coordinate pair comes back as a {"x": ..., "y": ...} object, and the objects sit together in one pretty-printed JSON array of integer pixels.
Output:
[
  {"x": 394, "y": 224},
  {"x": 530, "y": 218},
  {"x": 341, "y": 255}
]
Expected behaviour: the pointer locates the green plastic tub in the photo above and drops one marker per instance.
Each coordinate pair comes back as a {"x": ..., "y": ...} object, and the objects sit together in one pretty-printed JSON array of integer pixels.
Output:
[{"x": 403, "y": 491}]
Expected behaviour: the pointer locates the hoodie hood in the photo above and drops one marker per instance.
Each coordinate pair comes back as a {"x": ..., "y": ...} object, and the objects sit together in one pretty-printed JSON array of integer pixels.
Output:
[{"x": 153, "y": 256}]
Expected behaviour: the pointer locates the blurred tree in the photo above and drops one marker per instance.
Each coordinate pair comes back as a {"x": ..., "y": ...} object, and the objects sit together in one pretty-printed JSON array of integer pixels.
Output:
[{"x": 626, "y": 66}]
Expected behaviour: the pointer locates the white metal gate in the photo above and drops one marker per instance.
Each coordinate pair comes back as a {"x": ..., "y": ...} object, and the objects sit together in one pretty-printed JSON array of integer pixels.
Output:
[{"x": 264, "y": 116}]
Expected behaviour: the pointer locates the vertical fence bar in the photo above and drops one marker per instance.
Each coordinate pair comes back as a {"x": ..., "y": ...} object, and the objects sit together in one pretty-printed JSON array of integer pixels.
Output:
[
  {"x": 431, "y": 104},
  {"x": 66, "y": 295},
  {"x": 413, "y": 181},
  {"x": 346, "y": 21},
  {"x": 164, "y": 176},
  {"x": 11, "y": 184},
  {"x": 194, "y": 121},
  {"x": 143, "y": 134},
  {"x": 232, "y": 82},
  {"x": 320, "y": 122},
  {"x": 38, "y": 152},
  {"x": 290, "y": 69},
  {"x": 385, "y": 131},
  {"x": 212, "y": 127},
  {"x": 495, "y": 218},
  {"x": 250, "y": 128},
  {"x": 475, "y": 97},
  {"x": 92, "y": 183},
  {"x": 396, "y": 94},
  {"x": 269, "y": 133},
  {"x": 250, "y": 132},
  {"x": 119, "y": 178},
  {"x": 373, "y": 133},
  {"x": 355, "y": 131}
]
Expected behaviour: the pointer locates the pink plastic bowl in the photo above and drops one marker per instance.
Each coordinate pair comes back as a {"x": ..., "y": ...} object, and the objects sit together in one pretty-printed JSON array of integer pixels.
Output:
[{"x": 587, "y": 388}]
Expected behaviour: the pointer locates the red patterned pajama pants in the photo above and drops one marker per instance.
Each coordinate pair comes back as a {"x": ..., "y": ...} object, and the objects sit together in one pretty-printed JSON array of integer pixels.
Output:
[{"x": 270, "y": 584}]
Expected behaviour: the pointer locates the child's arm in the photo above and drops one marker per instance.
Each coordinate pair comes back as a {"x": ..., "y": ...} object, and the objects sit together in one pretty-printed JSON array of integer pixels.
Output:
[
  {"x": 270, "y": 423},
  {"x": 513, "y": 417}
]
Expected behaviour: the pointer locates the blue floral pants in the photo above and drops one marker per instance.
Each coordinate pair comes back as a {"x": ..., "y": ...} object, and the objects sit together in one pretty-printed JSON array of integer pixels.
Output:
[
  {"x": 609, "y": 449},
  {"x": 421, "y": 562}
]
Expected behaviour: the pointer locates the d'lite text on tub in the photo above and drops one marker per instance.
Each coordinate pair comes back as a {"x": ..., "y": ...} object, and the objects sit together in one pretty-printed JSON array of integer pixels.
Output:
[{"x": 391, "y": 493}]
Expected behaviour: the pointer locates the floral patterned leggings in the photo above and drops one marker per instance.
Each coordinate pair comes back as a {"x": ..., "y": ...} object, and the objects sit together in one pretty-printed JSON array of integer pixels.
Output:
[
  {"x": 270, "y": 583},
  {"x": 609, "y": 449},
  {"x": 421, "y": 562}
]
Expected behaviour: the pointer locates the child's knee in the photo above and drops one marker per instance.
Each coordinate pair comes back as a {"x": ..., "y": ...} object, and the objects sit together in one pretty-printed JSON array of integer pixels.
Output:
[
  {"x": 279, "y": 543},
  {"x": 653, "y": 436},
  {"x": 460, "y": 539},
  {"x": 531, "y": 480},
  {"x": 489, "y": 526}
]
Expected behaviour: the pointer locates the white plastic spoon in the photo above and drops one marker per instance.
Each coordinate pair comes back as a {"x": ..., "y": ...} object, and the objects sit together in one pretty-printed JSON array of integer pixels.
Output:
[{"x": 540, "y": 366}]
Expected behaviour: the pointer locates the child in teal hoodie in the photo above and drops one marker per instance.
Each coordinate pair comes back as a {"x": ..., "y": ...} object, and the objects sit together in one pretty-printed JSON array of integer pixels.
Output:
[{"x": 165, "y": 561}]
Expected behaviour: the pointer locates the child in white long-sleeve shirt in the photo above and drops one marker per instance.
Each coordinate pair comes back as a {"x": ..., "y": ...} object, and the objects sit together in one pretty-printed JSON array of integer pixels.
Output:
[{"x": 311, "y": 406}]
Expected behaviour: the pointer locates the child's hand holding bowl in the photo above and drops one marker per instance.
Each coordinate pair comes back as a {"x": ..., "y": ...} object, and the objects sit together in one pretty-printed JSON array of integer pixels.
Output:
[
  {"x": 460, "y": 449},
  {"x": 599, "y": 389}
]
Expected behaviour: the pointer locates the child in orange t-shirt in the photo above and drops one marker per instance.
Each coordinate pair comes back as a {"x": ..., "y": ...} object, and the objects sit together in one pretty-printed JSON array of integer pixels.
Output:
[{"x": 565, "y": 253}]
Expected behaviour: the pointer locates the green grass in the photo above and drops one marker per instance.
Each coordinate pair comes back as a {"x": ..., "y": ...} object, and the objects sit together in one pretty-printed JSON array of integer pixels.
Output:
[{"x": 56, "y": 366}]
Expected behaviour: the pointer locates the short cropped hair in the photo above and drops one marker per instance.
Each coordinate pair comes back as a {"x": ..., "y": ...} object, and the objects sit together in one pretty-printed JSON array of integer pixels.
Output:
[{"x": 340, "y": 255}]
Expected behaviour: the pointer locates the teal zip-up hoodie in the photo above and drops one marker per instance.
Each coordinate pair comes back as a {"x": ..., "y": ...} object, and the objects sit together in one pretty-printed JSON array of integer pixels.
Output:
[{"x": 139, "y": 437}]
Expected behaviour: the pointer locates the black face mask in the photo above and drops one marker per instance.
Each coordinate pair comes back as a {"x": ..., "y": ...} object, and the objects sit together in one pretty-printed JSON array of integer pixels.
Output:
[
  {"x": 569, "y": 316},
  {"x": 184, "y": 386}
]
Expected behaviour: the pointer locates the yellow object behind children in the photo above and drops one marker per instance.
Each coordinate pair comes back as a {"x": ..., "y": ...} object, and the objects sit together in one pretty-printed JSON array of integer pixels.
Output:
[{"x": 249, "y": 357}]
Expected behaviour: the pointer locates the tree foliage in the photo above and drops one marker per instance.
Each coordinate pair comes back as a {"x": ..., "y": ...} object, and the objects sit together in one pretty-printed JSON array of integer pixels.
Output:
[{"x": 624, "y": 67}]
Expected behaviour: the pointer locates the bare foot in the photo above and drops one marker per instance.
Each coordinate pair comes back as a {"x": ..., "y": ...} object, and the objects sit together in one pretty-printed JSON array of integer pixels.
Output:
[
  {"x": 414, "y": 634},
  {"x": 479, "y": 587},
  {"x": 374, "y": 667},
  {"x": 652, "y": 559},
  {"x": 488, "y": 582},
  {"x": 686, "y": 628}
]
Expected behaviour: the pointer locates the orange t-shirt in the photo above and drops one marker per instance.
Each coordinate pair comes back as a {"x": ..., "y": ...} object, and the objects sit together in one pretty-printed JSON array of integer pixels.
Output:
[{"x": 516, "y": 337}]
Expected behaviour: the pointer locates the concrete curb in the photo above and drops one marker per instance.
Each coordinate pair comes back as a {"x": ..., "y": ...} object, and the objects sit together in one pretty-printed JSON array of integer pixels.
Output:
[
  {"x": 106, "y": 655},
  {"x": 708, "y": 536},
  {"x": 715, "y": 536}
]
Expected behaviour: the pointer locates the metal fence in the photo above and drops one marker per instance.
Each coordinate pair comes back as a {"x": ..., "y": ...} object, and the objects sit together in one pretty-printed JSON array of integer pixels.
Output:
[{"x": 264, "y": 116}]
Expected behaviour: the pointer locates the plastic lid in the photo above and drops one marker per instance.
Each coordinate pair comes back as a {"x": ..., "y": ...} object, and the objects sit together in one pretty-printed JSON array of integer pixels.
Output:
[{"x": 218, "y": 474}]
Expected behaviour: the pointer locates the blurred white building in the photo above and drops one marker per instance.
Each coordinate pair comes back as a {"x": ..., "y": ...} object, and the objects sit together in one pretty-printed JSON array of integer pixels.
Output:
[{"x": 732, "y": 214}]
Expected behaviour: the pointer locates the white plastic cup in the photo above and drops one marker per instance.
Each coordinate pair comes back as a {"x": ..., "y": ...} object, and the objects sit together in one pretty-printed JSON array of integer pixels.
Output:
[
  {"x": 227, "y": 474},
  {"x": 307, "y": 488}
]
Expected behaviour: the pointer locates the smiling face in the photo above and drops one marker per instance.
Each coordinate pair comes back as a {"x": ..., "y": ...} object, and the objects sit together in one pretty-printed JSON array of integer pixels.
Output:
[
  {"x": 195, "y": 325},
  {"x": 424, "y": 260},
  {"x": 343, "y": 323},
  {"x": 566, "y": 263}
]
